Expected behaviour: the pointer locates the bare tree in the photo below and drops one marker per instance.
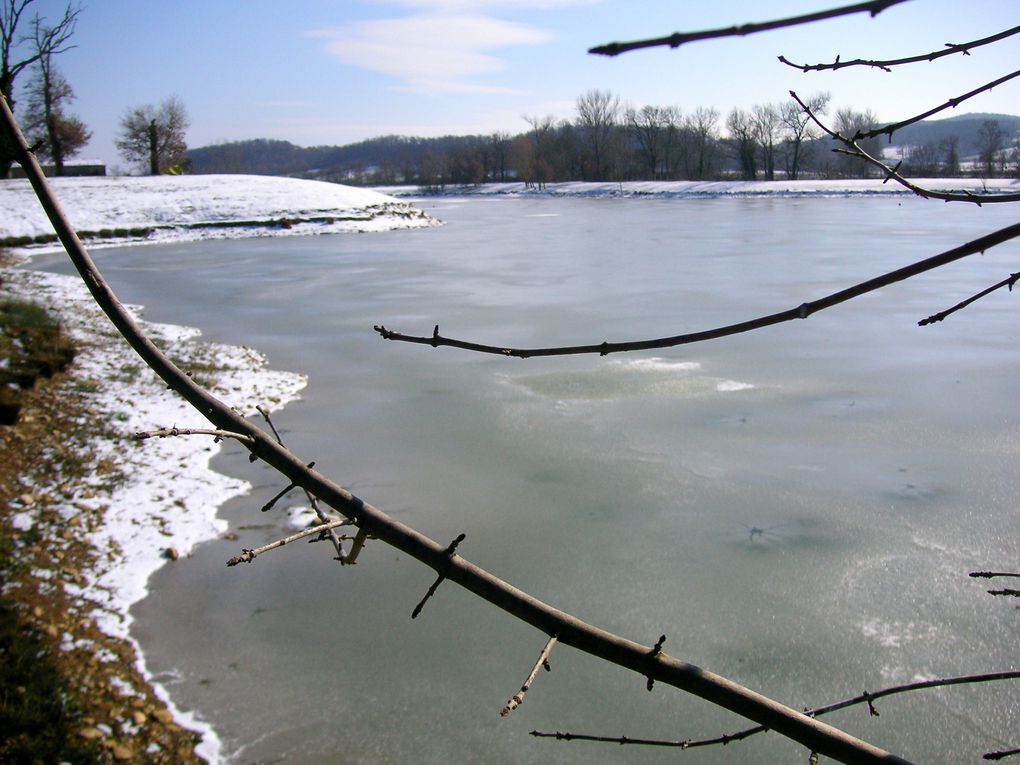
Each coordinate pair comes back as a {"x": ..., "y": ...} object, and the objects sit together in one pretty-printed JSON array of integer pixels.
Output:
[
  {"x": 154, "y": 138},
  {"x": 767, "y": 126},
  {"x": 744, "y": 140},
  {"x": 19, "y": 51},
  {"x": 653, "y": 129},
  {"x": 991, "y": 140},
  {"x": 597, "y": 118},
  {"x": 47, "y": 122},
  {"x": 700, "y": 134},
  {"x": 850, "y": 123},
  {"x": 799, "y": 131}
]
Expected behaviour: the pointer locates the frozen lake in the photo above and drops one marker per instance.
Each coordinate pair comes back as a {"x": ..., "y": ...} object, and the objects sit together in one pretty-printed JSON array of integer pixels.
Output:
[{"x": 796, "y": 508}]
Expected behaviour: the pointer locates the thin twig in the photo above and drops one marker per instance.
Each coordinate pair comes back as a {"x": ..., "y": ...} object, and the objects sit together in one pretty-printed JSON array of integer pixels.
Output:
[
  {"x": 1008, "y": 282},
  {"x": 949, "y": 50},
  {"x": 248, "y": 555},
  {"x": 543, "y": 662},
  {"x": 357, "y": 545},
  {"x": 992, "y": 574},
  {"x": 865, "y": 698},
  {"x": 175, "y": 431},
  {"x": 677, "y": 39},
  {"x": 449, "y": 551},
  {"x": 1001, "y": 755},
  {"x": 341, "y": 555},
  {"x": 800, "y": 312},
  {"x": 854, "y": 150}
]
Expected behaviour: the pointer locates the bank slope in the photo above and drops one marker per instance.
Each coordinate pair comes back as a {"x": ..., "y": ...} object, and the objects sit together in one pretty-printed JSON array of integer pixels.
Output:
[{"x": 120, "y": 210}]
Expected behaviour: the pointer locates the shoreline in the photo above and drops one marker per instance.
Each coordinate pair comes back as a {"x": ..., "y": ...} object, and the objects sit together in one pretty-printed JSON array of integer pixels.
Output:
[
  {"x": 137, "y": 507},
  {"x": 115, "y": 211},
  {"x": 705, "y": 189}
]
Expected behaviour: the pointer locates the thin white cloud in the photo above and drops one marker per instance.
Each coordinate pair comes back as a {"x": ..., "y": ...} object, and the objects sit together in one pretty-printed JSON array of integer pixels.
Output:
[{"x": 432, "y": 53}]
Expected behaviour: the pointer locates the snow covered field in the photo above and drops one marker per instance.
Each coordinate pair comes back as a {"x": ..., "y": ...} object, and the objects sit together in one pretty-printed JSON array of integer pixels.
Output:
[{"x": 109, "y": 211}]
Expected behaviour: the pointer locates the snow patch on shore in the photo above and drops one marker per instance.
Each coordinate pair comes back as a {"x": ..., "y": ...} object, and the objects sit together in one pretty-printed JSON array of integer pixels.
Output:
[
  {"x": 160, "y": 493},
  {"x": 119, "y": 210}
]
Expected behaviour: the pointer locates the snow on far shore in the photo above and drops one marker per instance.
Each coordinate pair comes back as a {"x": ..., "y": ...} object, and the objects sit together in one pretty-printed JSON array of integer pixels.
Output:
[
  {"x": 703, "y": 189},
  {"x": 118, "y": 210},
  {"x": 166, "y": 494}
]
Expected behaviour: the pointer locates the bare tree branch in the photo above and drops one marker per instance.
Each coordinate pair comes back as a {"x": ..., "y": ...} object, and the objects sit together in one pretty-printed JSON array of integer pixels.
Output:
[
  {"x": 341, "y": 554},
  {"x": 543, "y": 662},
  {"x": 949, "y": 50},
  {"x": 892, "y": 173},
  {"x": 952, "y": 103},
  {"x": 1001, "y": 755},
  {"x": 800, "y": 312},
  {"x": 248, "y": 555},
  {"x": 813, "y": 734},
  {"x": 865, "y": 698},
  {"x": 677, "y": 39},
  {"x": 1008, "y": 282},
  {"x": 175, "y": 431},
  {"x": 991, "y": 574}
]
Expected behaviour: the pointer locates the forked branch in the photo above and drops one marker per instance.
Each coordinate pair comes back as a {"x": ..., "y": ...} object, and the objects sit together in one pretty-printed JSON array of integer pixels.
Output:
[
  {"x": 952, "y": 103},
  {"x": 892, "y": 173},
  {"x": 887, "y": 64},
  {"x": 677, "y": 39},
  {"x": 813, "y": 734},
  {"x": 248, "y": 555},
  {"x": 800, "y": 312},
  {"x": 867, "y": 697}
]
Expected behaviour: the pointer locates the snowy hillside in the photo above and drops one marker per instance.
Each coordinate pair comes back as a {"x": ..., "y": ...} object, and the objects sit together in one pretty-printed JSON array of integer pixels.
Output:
[{"x": 119, "y": 210}]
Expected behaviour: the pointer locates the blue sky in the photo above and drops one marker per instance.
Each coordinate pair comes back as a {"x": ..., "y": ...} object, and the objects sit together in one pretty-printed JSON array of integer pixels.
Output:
[{"x": 317, "y": 72}]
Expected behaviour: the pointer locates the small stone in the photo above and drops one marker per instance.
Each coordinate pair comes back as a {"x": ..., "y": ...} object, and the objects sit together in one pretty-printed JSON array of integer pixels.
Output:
[
  {"x": 90, "y": 734},
  {"x": 122, "y": 753},
  {"x": 139, "y": 718},
  {"x": 164, "y": 716},
  {"x": 37, "y": 612},
  {"x": 27, "y": 499},
  {"x": 171, "y": 553},
  {"x": 52, "y": 631},
  {"x": 75, "y": 522}
]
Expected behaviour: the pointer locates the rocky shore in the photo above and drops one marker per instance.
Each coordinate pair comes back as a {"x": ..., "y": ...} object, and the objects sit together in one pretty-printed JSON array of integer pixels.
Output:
[{"x": 87, "y": 514}]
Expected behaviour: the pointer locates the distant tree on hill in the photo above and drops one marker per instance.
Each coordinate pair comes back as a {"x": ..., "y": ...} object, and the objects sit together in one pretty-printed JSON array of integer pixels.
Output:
[
  {"x": 154, "y": 138},
  {"x": 19, "y": 51}
]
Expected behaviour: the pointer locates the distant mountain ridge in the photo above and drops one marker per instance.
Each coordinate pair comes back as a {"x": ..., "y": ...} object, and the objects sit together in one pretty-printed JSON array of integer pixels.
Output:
[
  {"x": 263, "y": 156},
  {"x": 964, "y": 126}
]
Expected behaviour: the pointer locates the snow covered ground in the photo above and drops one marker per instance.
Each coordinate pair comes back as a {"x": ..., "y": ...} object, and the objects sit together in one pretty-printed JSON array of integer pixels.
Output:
[
  {"x": 713, "y": 188},
  {"x": 109, "y": 211}
]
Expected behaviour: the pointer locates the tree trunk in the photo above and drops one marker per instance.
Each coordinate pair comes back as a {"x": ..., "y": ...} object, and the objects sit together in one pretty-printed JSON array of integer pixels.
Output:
[{"x": 153, "y": 155}]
